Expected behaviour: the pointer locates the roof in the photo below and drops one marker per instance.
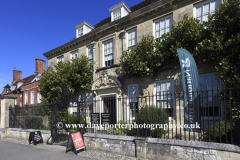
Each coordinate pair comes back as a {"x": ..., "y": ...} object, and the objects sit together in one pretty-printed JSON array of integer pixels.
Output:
[
  {"x": 133, "y": 9},
  {"x": 24, "y": 81}
]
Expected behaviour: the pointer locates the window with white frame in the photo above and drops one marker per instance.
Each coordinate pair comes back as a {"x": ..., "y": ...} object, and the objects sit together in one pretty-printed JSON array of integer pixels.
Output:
[
  {"x": 90, "y": 53},
  {"x": 162, "y": 26},
  {"x": 202, "y": 10},
  {"x": 132, "y": 38},
  {"x": 73, "y": 107},
  {"x": 74, "y": 54},
  {"x": 39, "y": 97},
  {"x": 15, "y": 101},
  {"x": 133, "y": 100},
  {"x": 32, "y": 97},
  {"x": 108, "y": 53},
  {"x": 26, "y": 97},
  {"x": 165, "y": 96},
  {"x": 117, "y": 14},
  {"x": 80, "y": 31},
  {"x": 209, "y": 87},
  {"x": 61, "y": 58}
]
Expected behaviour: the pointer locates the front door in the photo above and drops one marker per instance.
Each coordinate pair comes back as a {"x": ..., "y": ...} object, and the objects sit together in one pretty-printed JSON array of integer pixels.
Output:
[{"x": 109, "y": 106}]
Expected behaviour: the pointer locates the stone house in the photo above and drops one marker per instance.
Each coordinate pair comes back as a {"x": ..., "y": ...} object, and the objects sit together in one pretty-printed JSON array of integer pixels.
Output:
[
  {"x": 26, "y": 89},
  {"x": 124, "y": 28}
]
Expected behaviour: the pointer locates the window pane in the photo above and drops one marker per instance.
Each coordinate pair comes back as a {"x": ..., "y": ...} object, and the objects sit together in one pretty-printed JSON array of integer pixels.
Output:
[
  {"x": 163, "y": 86},
  {"x": 212, "y": 7},
  {"x": 206, "y": 8},
  {"x": 167, "y": 29},
  {"x": 157, "y": 26},
  {"x": 162, "y": 24},
  {"x": 157, "y": 34},
  {"x": 208, "y": 80},
  {"x": 162, "y": 32},
  {"x": 132, "y": 92},
  {"x": 205, "y": 17},
  {"x": 129, "y": 43},
  {"x": 199, "y": 11},
  {"x": 133, "y": 34},
  {"x": 168, "y": 22}
]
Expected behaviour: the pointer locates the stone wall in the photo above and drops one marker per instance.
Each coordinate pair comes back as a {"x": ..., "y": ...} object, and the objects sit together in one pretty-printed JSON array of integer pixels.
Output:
[
  {"x": 20, "y": 133},
  {"x": 153, "y": 148}
]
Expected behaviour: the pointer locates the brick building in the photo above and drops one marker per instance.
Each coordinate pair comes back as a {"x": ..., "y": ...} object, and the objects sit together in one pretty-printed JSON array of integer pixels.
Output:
[{"x": 26, "y": 89}]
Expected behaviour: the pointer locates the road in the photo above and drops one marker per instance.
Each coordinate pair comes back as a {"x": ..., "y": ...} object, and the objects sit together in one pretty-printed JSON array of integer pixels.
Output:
[{"x": 14, "y": 151}]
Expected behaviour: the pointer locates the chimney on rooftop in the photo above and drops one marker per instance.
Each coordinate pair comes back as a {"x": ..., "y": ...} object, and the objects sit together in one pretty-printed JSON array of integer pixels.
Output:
[
  {"x": 40, "y": 65},
  {"x": 17, "y": 75}
]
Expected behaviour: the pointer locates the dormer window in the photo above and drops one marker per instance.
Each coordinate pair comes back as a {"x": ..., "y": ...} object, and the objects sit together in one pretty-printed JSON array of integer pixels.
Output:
[
  {"x": 19, "y": 84},
  {"x": 119, "y": 11},
  {"x": 83, "y": 28},
  {"x": 117, "y": 14},
  {"x": 80, "y": 31}
]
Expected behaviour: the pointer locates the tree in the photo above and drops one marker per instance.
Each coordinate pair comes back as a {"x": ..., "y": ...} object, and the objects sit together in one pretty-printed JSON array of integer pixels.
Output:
[
  {"x": 75, "y": 74},
  {"x": 223, "y": 44},
  {"x": 152, "y": 54},
  {"x": 141, "y": 60},
  {"x": 216, "y": 41}
]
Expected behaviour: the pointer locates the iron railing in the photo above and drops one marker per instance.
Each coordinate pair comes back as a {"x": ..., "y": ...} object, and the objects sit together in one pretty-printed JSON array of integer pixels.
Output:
[{"x": 168, "y": 114}]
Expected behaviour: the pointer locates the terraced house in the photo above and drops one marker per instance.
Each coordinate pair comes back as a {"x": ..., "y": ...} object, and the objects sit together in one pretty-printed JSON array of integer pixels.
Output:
[{"x": 124, "y": 28}]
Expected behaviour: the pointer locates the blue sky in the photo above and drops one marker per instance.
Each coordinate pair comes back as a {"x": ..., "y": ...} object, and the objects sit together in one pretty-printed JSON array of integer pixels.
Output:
[{"x": 29, "y": 28}]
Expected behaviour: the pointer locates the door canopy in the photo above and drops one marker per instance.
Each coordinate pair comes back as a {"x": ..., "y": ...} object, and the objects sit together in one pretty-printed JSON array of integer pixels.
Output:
[{"x": 106, "y": 81}]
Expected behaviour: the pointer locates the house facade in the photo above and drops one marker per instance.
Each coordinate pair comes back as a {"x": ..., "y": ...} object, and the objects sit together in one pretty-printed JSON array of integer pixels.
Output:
[
  {"x": 26, "y": 89},
  {"x": 105, "y": 42}
]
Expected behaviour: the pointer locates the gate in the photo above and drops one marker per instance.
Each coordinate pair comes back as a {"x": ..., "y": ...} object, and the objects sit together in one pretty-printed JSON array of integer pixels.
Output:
[
  {"x": 28, "y": 117},
  {"x": 67, "y": 113}
]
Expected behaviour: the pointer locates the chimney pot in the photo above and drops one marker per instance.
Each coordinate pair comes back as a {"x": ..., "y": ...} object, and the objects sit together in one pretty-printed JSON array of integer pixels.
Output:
[
  {"x": 17, "y": 75},
  {"x": 40, "y": 65}
]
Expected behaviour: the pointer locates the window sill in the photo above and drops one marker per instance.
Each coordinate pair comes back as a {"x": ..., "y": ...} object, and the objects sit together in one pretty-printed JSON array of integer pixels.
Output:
[{"x": 108, "y": 67}]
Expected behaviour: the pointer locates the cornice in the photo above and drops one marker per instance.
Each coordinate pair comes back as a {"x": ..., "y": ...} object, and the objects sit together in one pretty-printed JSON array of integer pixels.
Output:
[
  {"x": 83, "y": 23},
  {"x": 113, "y": 26},
  {"x": 119, "y": 5}
]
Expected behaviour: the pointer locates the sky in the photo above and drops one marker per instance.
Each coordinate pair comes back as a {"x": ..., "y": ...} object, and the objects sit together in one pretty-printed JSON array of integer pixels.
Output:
[{"x": 29, "y": 28}]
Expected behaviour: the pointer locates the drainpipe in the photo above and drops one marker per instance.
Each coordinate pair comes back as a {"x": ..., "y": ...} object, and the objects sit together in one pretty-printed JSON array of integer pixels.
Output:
[{"x": 123, "y": 32}]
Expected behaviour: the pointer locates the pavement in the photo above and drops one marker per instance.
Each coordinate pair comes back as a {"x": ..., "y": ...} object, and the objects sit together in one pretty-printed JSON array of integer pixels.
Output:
[
  {"x": 14, "y": 151},
  {"x": 19, "y": 149}
]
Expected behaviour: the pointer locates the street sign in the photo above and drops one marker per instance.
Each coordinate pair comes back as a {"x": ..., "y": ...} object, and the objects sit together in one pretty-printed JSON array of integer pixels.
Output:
[
  {"x": 36, "y": 137},
  {"x": 75, "y": 142}
]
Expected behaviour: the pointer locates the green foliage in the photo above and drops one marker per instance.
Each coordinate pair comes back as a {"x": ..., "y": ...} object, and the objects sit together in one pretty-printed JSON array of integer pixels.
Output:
[
  {"x": 35, "y": 122},
  {"x": 214, "y": 131},
  {"x": 75, "y": 74},
  {"x": 141, "y": 60},
  {"x": 216, "y": 41},
  {"x": 18, "y": 109},
  {"x": 112, "y": 131},
  {"x": 151, "y": 115},
  {"x": 45, "y": 128},
  {"x": 125, "y": 129},
  {"x": 151, "y": 54},
  {"x": 223, "y": 44},
  {"x": 72, "y": 118}
]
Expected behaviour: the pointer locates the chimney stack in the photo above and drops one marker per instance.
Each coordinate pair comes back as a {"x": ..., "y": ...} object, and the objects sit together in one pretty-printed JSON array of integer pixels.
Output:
[
  {"x": 17, "y": 75},
  {"x": 40, "y": 65}
]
